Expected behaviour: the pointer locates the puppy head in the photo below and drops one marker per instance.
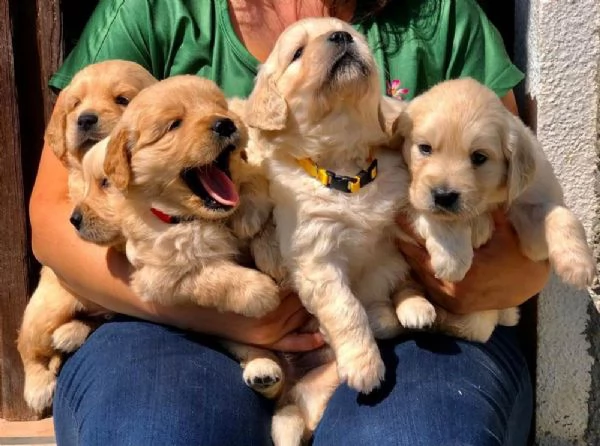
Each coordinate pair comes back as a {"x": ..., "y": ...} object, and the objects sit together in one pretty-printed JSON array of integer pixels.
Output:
[
  {"x": 95, "y": 217},
  {"x": 90, "y": 106},
  {"x": 466, "y": 152},
  {"x": 319, "y": 71},
  {"x": 172, "y": 148}
]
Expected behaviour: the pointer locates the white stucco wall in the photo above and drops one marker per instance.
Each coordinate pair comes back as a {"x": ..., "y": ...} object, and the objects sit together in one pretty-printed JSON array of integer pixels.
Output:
[{"x": 558, "y": 42}]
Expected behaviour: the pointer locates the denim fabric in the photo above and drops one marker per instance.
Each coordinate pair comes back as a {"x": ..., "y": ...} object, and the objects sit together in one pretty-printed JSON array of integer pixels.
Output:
[{"x": 135, "y": 383}]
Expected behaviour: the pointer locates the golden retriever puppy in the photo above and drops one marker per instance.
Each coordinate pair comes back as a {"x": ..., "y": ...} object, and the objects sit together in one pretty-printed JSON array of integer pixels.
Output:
[
  {"x": 171, "y": 157},
  {"x": 96, "y": 215},
  {"x": 85, "y": 112},
  {"x": 315, "y": 111},
  {"x": 90, "y": 106},
  {"x": 467, "y": 156}
]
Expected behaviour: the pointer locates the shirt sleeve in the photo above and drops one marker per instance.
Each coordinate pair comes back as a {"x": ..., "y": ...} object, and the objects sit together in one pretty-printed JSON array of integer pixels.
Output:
[
  {"x": 476, "y": 49},
  {"x": 118, "y": 29}
]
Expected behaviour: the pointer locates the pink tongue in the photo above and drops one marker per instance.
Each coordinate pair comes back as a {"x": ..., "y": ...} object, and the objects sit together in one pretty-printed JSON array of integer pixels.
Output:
[{"x": 218, "y": 185}]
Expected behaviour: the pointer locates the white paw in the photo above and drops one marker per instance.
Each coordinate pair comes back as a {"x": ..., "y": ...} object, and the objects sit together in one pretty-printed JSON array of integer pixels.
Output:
[
  {"x": 362, "y": 369},
  {"x": 70, "y": 336},
  {"x": 509, "y": 317},
  {"x": 259, "y": 296},
  {"x": 39, "y": 390},
  {"x": 575, "y": 268},
  {"x": 416, "y": 313},
  {"x": 264, "y": 375}
]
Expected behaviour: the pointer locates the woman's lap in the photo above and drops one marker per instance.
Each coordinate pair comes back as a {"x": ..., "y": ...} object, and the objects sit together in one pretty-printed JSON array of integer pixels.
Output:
[{"x": 137, "y": 383}]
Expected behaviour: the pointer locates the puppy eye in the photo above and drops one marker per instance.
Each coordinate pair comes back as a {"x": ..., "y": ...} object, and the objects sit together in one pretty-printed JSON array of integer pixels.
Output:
[
  {"x": 478, "y": 158},
  {"x": 175, "y": 124},
  {"x": 104, "y": 183},
  {"x": 298, "y": 54},
  {"x": 425, "y": 149},
  {"x": 121, "y": 100}
]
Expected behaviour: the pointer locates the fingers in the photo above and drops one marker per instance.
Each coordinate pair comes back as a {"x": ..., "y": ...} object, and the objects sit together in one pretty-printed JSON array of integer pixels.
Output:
[{"x": 298, "y": 342}]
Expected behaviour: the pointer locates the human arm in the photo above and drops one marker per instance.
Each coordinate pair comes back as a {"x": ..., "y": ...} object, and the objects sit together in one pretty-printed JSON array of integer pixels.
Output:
[
  {"x": 500, "y": 276},
  {"x": 101, "y": 275}
]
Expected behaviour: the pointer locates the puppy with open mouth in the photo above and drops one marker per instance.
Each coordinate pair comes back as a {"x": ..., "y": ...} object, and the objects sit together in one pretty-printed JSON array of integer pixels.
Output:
[
  {"x": 315, "y": 111},
  {"x": 85, "y": 113},
  {"x": 171, "y": 157},
  {"x": 468, "y": 156}
]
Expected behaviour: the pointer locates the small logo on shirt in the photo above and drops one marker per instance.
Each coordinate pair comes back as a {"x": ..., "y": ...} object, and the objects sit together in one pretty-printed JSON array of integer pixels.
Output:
[{"x": 394, "y": 90}]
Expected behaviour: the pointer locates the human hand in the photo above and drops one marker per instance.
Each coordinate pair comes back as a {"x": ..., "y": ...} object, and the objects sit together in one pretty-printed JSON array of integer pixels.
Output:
[
  {"x": 500, "y": 276},
  {"x": 281, "y": 329}
]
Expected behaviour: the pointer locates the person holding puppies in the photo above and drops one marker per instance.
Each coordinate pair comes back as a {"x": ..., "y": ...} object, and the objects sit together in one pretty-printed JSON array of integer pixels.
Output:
[{"x": 143, "y": 380}]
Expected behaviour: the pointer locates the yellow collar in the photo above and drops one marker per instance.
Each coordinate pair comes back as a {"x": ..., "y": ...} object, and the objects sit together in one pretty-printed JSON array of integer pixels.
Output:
[{"x": 342, "y": 183}]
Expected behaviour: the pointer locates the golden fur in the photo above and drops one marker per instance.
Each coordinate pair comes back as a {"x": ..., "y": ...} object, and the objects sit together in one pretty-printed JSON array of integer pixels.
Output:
[
  {"x": 317, "y": 96},
  {"x": 467, "y": 156},
  {"x": 48, "y": 323},
  {"x": 166, "y": 134}
]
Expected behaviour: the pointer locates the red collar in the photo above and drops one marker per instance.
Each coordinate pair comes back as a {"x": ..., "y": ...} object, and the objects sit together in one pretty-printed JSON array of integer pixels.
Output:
[{"x": 169, "y": 219}]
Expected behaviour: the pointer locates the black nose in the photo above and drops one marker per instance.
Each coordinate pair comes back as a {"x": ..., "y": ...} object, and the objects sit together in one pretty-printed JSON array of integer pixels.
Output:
[
  {"x": 76, "y": 218},
  {"x": 224, "y": 127},
  {"x": 340, "y": 37},
  {"x": 445, "y": 198},
  {"x": 86, "y": 121}
]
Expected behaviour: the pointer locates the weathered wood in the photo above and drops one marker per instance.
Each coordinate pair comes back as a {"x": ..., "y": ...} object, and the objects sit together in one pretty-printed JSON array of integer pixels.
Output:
[
  {"x": 50, "y": 48},
  {"x": 13, "y": 230}
]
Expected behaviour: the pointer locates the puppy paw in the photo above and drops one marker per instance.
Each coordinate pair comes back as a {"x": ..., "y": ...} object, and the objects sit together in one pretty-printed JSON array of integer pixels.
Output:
[
  {"x": 452, "y": 269},
  {"x": 475, "y": 327},
  {"x": 416, "y": 313},
  {"x": 257, "y": 296},
  {"x": 70, "y": 336},
  {"x": 509, "y": 317},
  {"x": 383, "y": 321},
  {"x": 39, "y": 389},
  {"x": 265, "y": 376},
  {"x": 575, "y": 268},
  {"x": 361, "y": 368}
]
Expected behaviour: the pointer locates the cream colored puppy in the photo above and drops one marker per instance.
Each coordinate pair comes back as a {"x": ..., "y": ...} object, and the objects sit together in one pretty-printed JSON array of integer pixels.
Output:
[
  {"x": 315, "y": 110},
  {"x": 468, "y": 155},
  {"x": 171, "y": 156},
  {"x": 85, "y": 112}
]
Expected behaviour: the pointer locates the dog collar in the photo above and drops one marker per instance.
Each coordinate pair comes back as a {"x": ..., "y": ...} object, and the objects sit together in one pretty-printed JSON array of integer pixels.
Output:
[
  {"x": 342, "y": 183},
  {"x": 169, "y": 219}
]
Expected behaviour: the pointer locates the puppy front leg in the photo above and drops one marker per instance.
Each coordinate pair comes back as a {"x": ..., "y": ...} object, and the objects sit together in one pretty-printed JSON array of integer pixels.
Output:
[
  {"x": 413, "y": 309},
  {"x": 223, "y": 285},
  {"x": 324, "y": 290},
  {"x": 450, "y": 246},
  {"x": 261, "y": 368},
  {"x": 553, "y": 231}
]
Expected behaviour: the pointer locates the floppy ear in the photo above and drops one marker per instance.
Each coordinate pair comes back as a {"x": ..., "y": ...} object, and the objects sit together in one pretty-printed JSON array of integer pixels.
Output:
[
  {"x": 57, "y": 128},
  {"x": 401, "y": 128},
  {"x": 118, "y": 157},
  {"x": 519, "y": 149},
  {"x": 266, "y": 109}
]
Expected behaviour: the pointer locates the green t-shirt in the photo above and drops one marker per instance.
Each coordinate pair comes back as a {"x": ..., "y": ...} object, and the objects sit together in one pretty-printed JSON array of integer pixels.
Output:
[{"x": 417, "y": 44}]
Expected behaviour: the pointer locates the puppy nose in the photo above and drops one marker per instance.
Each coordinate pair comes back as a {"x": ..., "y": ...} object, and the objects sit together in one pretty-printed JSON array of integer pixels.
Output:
[
  {"x": 86, "y": 121},
  {"x": 445, "y": 198},
  {"x": 224, "y": 127},
  {"x": 340, "y": 37},
  {"x": 76, "y": 218}
]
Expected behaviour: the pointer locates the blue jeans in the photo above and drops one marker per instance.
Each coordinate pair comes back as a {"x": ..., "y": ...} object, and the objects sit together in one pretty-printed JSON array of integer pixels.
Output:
[{"x": 136, "y": 383}]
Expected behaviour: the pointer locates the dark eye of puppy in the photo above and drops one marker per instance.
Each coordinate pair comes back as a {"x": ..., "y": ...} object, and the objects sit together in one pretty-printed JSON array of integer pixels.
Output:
[
  {"x": 298, "y": 54},
  {"x": 478, "y": 158},
  {"x": 174, "y": 124},
  {"x": 121, "y": 100},
  {"x": 425, "y": 149},
  {"x": 104, "y": 183}
]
